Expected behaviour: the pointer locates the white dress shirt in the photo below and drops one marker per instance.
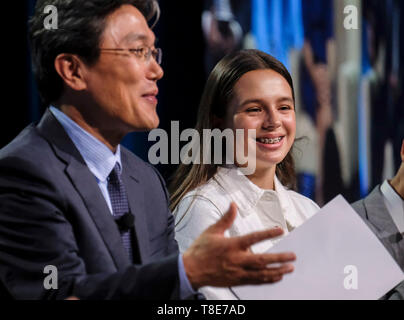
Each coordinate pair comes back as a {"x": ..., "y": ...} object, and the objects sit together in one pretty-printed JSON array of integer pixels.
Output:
[
  {"x": 99, "y": 159},
  {"x": 394, "y": 204},
  {"x": 258, "y": 209}
]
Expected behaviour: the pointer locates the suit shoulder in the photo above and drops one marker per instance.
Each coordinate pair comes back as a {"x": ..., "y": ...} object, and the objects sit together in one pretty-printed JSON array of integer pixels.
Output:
[
  {"x": 361, "y": 206},
  {"x": 29, "y": 147}
]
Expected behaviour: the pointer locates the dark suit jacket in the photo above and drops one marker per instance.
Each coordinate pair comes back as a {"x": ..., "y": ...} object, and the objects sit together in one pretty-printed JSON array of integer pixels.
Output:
[
  {"x": 52, "y": 212},
  {"x": 373, "y": 211}
]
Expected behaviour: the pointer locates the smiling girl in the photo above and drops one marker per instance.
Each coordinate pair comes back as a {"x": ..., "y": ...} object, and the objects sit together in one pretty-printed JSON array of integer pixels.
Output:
[{"x": 246, "y": 90}]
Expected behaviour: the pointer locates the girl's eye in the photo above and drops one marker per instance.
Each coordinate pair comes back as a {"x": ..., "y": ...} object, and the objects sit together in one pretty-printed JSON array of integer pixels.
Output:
[{"x": 253, "y": 110}]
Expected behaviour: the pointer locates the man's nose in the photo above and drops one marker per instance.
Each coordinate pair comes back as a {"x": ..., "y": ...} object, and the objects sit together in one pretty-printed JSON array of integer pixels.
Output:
[{"x": 155, "y": 71}]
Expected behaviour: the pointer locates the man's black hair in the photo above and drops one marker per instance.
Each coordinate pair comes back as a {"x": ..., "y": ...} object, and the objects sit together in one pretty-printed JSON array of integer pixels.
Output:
[{"x": 80, "y": 26}]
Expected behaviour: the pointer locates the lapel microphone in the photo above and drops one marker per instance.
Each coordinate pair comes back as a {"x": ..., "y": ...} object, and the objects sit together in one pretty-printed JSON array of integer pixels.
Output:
[{"x": 125, "y": 222}]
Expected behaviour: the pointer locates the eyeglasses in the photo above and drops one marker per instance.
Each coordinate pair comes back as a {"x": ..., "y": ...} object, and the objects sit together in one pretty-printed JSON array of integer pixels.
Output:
[{"x": 143, "y": 53}]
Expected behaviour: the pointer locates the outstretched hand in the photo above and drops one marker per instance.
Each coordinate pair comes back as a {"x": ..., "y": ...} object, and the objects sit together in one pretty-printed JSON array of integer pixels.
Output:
[{"x": 215, "y": 260}]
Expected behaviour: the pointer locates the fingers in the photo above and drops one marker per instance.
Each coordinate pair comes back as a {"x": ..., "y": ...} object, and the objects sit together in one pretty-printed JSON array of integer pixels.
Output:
[
  {"x": 260, "y": 261},
  {"x": 248, "y": 240},
  {"x": 226, "y": 221},
  {"x": 269, "y": 275},
  {"x": 265, "y": 268}
]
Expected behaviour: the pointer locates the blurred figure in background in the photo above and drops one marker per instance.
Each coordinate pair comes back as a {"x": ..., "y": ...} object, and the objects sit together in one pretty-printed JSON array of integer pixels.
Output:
[
  {"x": 317, "y": 78},
  {"x": 385, "y": 47},
  {"x": 225, "y": 23}
]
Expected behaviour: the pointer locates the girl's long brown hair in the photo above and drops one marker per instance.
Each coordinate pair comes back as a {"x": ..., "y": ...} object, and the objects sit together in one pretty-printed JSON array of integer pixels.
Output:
[{"x": 215, "y": 99}]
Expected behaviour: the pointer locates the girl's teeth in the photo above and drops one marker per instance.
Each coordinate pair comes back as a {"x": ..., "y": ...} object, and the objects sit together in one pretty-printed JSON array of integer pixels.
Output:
[{"x": 270, "y": 141}]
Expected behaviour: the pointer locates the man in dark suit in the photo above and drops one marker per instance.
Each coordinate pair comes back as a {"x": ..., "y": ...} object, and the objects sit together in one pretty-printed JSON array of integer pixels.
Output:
[
  {"x": 73, "y": 199},
  {"x": 383, "y": 211}
]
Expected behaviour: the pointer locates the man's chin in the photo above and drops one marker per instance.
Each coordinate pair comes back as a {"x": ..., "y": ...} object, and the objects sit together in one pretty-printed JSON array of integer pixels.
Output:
[
  {"x": 154, "y": 124},
  {"x": 147, "y": 126}
]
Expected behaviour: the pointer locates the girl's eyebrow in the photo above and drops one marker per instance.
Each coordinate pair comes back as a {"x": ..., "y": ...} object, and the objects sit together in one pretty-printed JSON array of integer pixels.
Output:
[
  {"x": 285, "y": 99},
  {"x": 280, "y": 99}
]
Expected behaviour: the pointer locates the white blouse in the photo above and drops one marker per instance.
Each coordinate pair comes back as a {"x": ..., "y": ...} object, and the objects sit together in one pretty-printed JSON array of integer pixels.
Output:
[{"x": 258, "y": 209}]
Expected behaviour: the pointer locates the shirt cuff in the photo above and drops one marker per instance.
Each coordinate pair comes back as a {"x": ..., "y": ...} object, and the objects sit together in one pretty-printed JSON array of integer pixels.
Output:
[{"x": 186, "y": 290}]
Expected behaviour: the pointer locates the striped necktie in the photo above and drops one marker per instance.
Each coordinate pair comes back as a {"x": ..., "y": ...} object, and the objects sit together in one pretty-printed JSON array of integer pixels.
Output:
[{"x": 120, "y": 206}]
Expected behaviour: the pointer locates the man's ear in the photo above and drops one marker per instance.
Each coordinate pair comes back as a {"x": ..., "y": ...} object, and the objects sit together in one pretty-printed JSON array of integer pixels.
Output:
[{"x": 70, "y": 68}]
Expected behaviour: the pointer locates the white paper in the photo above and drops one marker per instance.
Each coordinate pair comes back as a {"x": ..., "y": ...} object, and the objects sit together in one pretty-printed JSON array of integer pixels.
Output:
[{"x": 338, "y": 257}]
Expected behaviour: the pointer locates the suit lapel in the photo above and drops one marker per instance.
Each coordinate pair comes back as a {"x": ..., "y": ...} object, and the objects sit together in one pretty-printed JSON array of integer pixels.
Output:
[
  {"x": 388, "y": 232},
  {"x": 377, "y": 212},
  {"x": 86, "y": 185},
  {"x": 136, "y": 198}
]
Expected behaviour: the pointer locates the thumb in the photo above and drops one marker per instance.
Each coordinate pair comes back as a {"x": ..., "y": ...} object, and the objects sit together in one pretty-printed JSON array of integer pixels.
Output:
[{"x": 226, "y": 221}]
